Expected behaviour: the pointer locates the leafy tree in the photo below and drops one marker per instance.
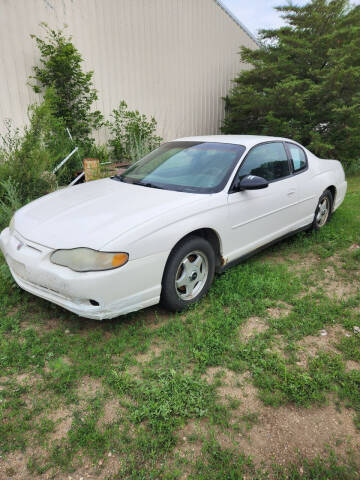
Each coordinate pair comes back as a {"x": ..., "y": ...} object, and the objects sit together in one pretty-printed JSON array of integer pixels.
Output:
[
  {"x": 73, "y": 91},
  {"x": 305, "y": 81}
]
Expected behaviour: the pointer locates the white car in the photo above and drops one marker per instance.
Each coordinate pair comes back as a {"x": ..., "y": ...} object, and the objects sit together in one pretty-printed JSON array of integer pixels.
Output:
[{"x": 161, "y": 230}]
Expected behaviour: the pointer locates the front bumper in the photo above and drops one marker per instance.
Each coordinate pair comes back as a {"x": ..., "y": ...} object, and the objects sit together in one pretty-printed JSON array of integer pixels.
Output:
[{"x": 134, "y": 286}]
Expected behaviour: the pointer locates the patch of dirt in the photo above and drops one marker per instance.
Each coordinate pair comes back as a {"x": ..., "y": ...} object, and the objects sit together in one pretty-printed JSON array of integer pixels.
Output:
[
  {"x": 13, "y": 311},
  {"x": 234, "y": 386},
  {"x": 312, "y": 345},
  {"x": 51, "y": 324},
  {"x": 63, "y": 420},
  {"x": 282, "y": 310},
  {"x": 189, "y": 443},
  {"x": 23, "y": 379},
  {"x": 104, "y": 469},
  {"x": 279, "y": 433},
  {"x": 155, "y": 317},
  {"x": 239, "y": 387},
  {"x": 28, "y": 379},
  {"x": 110, "y": 468},
  {"x": 89, "y": 387},
  {"x": 274, "y": 258},
  {"x": 351, "y": 365},
  {"x": 155, "y": 350},
  {"x": 300, "y": 263},
  {"x": 134, "y": 371},
  {"x": 253, "y": 326},
  {"x": 284, "y": 432},
  {"x": 334, "y": 285},
  {"x": 212, "y": 373},
  {"x": 336, "y": 281},
  {"x": 43, "y": 325},
  {"x": 13, "y": 467},
  {"x": 112, "y": 409},
  {"x": 336, "y": 260}
]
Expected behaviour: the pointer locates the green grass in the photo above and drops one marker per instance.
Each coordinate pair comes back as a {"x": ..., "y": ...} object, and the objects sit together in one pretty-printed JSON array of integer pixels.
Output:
[{"x": 55, "y": 366}]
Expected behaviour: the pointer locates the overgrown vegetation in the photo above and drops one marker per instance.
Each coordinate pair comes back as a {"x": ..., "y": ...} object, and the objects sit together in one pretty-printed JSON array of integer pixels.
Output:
[
  {"x": 133, "y": 135},
  {"x": 304, "y": 81},
  {"x": 155, "y": 395},
  {"x": 9, "y": 202},
  {"x": 28, "y": 158},
  {"x": 73, "y": 91}
]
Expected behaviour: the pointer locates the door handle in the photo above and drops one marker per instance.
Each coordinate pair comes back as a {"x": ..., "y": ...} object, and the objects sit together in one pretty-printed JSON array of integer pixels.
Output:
[{"x": 291, "y": 192}]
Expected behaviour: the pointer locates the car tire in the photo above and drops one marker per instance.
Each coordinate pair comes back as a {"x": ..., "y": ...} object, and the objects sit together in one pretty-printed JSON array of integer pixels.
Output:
[
  {"x": 188, "y": 274},
  {"x": 323, "y": 211}
]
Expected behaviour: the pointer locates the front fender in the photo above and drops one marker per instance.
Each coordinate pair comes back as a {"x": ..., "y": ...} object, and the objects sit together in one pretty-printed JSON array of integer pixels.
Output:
[{"x": 163, "y": 234}]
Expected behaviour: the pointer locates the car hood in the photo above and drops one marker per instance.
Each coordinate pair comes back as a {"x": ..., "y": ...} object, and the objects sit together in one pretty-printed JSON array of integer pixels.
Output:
[{"x": 92, "y": 214}]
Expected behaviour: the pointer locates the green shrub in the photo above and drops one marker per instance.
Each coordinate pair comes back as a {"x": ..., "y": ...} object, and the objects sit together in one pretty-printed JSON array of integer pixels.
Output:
[
  {"x": 9, "y": 201},
  {"x": 133, "y": 134},
  {"x": 73, "y": 90},
  {"x": 27, "y": 161}
]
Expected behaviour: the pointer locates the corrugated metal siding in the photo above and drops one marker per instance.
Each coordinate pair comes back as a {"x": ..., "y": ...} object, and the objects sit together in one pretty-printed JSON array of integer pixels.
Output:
[{"x": 173, "y": 59}]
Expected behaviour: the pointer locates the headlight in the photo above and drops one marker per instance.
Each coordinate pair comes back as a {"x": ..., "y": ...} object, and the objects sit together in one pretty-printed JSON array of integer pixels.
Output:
[{"x": 87, "y": 260}]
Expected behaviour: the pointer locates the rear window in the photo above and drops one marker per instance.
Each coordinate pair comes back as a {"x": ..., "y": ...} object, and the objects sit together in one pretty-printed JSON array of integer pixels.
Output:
[{"x": 298, "y": 157}]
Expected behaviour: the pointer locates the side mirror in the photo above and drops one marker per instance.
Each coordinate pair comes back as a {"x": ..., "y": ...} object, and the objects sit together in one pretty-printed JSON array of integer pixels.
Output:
[{"x": 252, "y": 182}]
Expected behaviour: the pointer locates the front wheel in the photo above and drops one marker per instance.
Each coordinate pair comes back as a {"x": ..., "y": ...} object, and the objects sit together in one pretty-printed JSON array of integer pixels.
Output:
[
  {"x": 323, "y": 210},
  {"x": 188, "y": 274}
]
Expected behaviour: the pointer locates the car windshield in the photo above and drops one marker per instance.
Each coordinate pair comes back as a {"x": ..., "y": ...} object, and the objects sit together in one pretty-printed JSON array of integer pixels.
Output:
[{"x": 199, "y": 167}]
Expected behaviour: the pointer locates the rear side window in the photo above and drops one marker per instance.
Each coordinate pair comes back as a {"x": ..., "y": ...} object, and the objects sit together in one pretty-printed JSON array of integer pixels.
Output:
[
  {"x": 298, "y": 157},
  {"x": 268, "y": 160}
]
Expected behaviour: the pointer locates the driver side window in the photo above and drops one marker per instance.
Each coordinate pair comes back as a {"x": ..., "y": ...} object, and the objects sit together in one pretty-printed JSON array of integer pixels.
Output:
[{"x": 268, "y": 160}]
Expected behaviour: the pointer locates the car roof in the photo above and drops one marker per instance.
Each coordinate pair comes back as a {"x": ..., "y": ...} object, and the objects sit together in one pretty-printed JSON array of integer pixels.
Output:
[{"x": 247, "y": 141}]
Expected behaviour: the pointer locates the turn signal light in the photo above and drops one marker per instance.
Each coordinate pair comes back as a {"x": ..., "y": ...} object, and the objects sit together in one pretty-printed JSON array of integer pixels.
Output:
[{"x": 119, "y": 259}]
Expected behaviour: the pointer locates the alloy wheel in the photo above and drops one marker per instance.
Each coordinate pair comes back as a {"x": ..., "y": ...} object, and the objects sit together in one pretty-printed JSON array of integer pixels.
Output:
[
  {"x": 191, "y": 275},
  {"x": 323, "y": 212}
]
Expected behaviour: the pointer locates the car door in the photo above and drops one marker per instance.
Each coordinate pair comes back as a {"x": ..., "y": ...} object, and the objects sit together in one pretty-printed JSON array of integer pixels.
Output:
[{"x": 257, "y": 217}]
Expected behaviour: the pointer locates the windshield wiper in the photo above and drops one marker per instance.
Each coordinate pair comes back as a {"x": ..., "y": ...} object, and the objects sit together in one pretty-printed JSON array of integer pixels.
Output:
[
  {"x": 118, "y": 177},
  {"x": 150, "y": 185},
  {"x": 121, "y": 178}
]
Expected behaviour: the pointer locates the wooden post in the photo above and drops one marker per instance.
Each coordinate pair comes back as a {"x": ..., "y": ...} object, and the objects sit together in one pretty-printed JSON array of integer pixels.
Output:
[{"x": 91, "y": 169}]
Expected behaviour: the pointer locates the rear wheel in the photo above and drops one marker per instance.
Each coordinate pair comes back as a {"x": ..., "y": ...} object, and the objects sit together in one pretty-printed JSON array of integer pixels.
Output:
[
  {"x": 323, "y": 210},
  {"x": 188, "y": 274}
]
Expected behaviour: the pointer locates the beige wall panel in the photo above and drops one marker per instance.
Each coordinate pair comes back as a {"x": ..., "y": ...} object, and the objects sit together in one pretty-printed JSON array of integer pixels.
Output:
[{"x": 173, "y": 59}]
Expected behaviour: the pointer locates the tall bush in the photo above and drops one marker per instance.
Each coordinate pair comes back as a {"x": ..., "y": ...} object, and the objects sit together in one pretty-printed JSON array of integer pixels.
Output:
[
  {"x": 73, "y": 91},
  {"x": 304, "y": 81},
  {"x": 28, "y": 160},
  {"x": 133, "y": 135}
]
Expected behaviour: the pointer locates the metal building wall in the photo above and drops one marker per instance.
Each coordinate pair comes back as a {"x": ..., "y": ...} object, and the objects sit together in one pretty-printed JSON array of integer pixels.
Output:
[{"x": 173, "y": 59}]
